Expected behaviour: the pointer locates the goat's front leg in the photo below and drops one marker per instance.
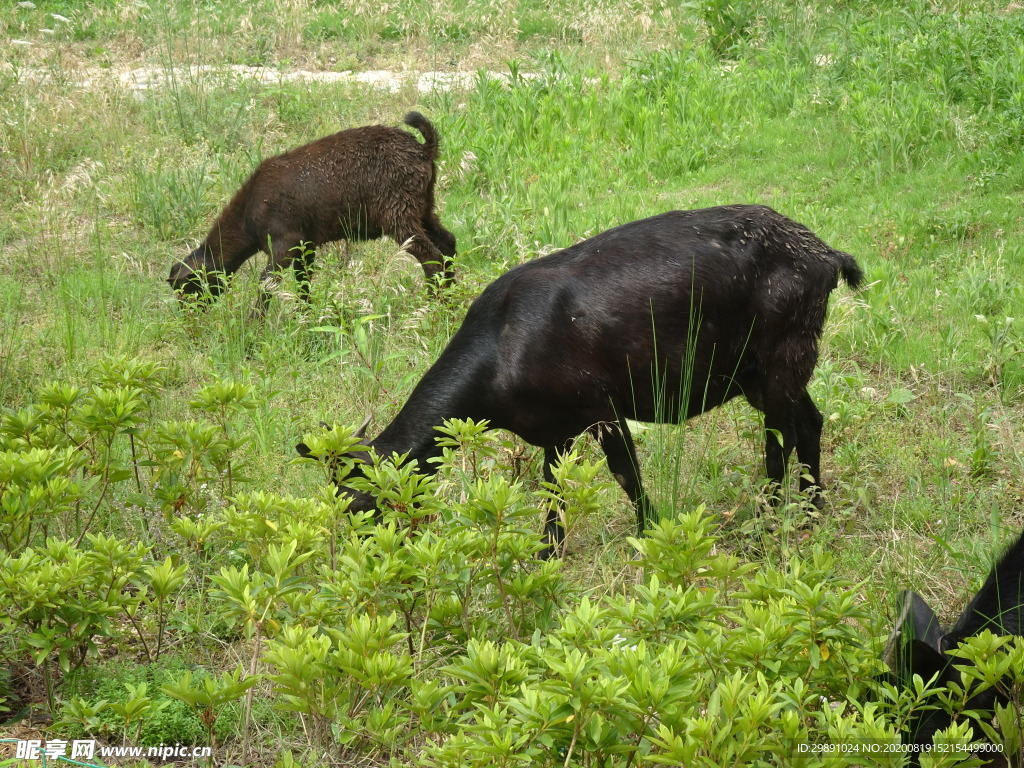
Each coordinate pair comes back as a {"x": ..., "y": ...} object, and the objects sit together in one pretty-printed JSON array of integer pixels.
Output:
[
  {"x": 282, "y": 252},
  {"x": 622, "y": 462},
  {"x": 269, "y": 280},
  {"x": 302, "y": 265},
  {"x": 554, "y": 532}
]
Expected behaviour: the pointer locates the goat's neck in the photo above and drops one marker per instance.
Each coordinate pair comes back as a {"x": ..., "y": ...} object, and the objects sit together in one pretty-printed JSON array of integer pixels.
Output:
[
  {"x": 412, "y": 435},
  {"x": 229, "y": 240},
  {"x": 452, "y": 389},
  {"x": 229, "y": 244}
]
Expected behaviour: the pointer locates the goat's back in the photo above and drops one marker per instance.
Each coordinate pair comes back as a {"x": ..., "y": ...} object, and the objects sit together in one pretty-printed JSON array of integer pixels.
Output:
[
  {"x": 665, "y": 317},
  {"x": 365, "y": 178}
]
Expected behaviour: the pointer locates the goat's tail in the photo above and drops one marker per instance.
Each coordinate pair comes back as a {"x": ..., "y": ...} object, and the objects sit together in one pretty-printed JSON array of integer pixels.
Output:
[
  {"x": 848, "y": 268},
  {"x": 424, "y": 126}
]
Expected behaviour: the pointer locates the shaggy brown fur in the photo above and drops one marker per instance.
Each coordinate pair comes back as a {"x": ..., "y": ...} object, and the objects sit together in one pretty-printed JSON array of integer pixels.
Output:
[{"x": 358, "y": 184}]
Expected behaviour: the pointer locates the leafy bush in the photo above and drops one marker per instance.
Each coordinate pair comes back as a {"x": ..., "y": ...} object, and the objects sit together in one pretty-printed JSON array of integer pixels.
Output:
[
  {"x": 728, "y": 22},
  {"x": 432, "y": 635},
  {"x": 124, "y": 698}
]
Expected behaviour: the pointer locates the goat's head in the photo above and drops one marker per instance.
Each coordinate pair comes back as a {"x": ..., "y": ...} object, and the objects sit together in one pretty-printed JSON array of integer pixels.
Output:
[
  {"x": 920, "y": 646},
  {"x": 353, "y": 459},
  {"x": 916, "y": 648},
  {"x": 196, "y": 274}
]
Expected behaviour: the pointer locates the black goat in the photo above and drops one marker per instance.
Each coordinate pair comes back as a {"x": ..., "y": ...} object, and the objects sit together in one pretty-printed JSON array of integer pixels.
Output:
[
  {"x": 658, "y": 320},
  {"x": 358, "y": 184},
  {"x": 919, "y": 646}
]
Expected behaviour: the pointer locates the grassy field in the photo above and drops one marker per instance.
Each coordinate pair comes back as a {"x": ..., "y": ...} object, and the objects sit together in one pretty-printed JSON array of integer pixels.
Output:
[{"x": 894, "y": 131}]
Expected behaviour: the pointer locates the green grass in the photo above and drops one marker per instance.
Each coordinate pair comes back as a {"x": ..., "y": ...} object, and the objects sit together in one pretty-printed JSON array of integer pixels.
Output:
[{"x": 893, "y": 131}]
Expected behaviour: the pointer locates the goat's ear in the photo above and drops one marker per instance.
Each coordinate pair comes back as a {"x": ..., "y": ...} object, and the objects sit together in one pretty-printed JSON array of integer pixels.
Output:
[
  {"x": 361, "y": 432},
  {"x": 916, "y": 622},
  {"x": 921, "y": 619},
  {"x": 303, "y": 450}
]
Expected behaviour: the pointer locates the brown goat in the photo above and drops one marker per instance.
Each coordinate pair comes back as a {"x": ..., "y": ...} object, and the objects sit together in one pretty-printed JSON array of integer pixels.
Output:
[{"x": 357, "y": 184}]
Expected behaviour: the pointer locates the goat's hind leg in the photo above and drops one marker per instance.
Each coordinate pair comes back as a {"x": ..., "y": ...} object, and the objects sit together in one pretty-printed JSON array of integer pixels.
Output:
[
  {"x": 436, "y": 267},
  {"x": 808, "y": 422},
  {"x": 443, "y": 240},
  {"x": 780, "y": 436}
]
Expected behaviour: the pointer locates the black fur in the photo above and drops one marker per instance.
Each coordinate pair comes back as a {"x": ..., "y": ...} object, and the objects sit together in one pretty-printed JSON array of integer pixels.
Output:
[
  {"x": 657, "y": 320},
  {"x": 919, "y": 646}
]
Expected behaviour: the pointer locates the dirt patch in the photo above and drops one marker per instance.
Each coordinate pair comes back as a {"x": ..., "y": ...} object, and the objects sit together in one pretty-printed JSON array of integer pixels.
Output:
[{"x": 141, "y": 79}]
